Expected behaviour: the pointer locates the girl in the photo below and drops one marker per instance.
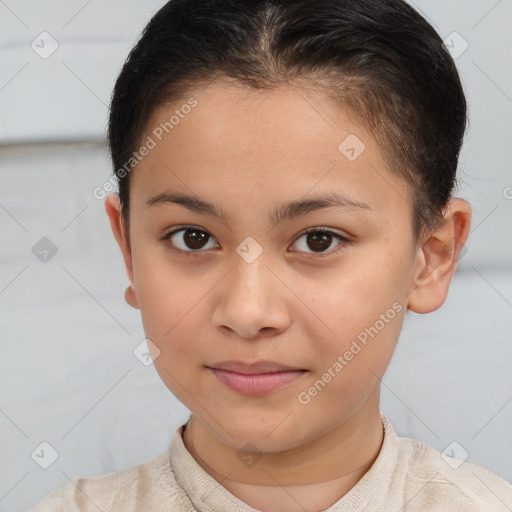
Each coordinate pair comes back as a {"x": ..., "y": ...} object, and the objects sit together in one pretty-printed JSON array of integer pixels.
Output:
[{"x": 285, "y": 175}]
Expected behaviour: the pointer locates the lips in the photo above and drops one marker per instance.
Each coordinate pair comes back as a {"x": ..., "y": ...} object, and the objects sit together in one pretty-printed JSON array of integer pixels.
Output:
[{"x": 255, "y": 379}]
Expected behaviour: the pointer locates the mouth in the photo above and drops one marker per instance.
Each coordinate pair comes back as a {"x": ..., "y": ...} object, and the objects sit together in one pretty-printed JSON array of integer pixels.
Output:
[{"x": 255, "y": 379}]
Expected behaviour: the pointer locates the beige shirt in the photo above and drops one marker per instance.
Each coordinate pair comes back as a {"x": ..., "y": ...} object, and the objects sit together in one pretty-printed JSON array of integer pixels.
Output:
[{"x": 406, "y": 476}]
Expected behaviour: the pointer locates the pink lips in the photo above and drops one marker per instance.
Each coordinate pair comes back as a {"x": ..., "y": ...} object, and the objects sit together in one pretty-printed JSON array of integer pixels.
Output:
[{"x": 255, "y": 379}]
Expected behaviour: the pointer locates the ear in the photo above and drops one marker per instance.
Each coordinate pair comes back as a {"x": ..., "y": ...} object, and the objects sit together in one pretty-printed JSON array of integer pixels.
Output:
[
  {"x": 113, "y": 209},
  {"x": 436, "y": 258}
]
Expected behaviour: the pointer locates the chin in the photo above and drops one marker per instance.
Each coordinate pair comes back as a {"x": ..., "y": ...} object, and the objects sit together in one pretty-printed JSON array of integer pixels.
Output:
[{"x": 268, "y": 433}]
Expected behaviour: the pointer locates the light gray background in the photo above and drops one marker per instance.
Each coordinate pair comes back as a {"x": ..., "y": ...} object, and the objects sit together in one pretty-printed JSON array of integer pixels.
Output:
[{"x": 68, "y": 374}]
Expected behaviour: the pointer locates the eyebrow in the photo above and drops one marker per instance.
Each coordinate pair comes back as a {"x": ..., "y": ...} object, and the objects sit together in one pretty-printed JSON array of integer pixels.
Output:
[{"x": 286, "y": 211}]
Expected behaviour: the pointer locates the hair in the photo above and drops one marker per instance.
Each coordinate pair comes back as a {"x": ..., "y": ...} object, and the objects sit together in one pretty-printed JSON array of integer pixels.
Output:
[{"x": 378, "y": 59}]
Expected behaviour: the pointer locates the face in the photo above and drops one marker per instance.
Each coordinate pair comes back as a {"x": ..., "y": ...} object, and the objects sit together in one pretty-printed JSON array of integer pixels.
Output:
[{"x": 248, "y": 285}]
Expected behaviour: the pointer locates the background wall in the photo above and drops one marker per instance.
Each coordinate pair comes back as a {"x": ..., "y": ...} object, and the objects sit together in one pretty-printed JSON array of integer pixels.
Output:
[{"x": 71, "y": 374}]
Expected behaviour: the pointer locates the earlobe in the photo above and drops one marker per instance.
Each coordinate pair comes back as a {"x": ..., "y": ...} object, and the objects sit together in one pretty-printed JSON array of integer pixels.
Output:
[
  {"x": 113, "y": 209},
  {"x": 130, "y": 296},
  {"x": 436, "y": 259}
]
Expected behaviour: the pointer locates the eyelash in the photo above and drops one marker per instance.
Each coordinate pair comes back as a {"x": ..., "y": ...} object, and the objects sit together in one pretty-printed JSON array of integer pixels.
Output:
[{"x": 344, "y": 241}]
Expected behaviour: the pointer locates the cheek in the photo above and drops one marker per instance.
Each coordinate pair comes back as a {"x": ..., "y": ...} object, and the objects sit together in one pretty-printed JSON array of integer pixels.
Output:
[
  {"x": 351, "y": 366},
  {"x": 364, "y": 310},
  {"x": 170, "y": 321},
  {"x": 167, "y": 310}
]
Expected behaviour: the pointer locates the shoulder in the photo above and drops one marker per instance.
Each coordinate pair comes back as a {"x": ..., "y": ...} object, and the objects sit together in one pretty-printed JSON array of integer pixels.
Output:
[
  {"x": 148, "y": 486},
  {"x": 430, "y": 476}
]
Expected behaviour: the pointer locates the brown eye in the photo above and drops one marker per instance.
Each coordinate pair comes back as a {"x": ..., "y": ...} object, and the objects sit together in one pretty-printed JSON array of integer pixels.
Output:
[
  {"x": 195, "y": 239},
  {"x": 189, "y": 239},
  {"x": 319, "y": 240}
]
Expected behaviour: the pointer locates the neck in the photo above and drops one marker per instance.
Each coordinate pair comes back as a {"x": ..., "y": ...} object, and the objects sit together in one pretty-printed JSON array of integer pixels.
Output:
[{"x": 319, "y": 472}]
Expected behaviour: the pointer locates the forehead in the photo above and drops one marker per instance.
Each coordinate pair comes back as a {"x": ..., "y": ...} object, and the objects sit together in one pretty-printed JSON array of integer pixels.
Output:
[{"x": 264, "y": 143}]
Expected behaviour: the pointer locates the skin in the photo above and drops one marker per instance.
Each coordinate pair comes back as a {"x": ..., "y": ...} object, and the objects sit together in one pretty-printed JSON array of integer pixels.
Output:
[{"x": 249, "y": 151}]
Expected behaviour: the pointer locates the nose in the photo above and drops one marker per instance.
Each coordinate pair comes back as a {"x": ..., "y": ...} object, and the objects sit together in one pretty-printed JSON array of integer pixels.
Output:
[{"x": 250, "y": 303}]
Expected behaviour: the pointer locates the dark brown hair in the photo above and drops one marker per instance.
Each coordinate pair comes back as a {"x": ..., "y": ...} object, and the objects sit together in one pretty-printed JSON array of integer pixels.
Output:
[{"x": 380, "y": 59}]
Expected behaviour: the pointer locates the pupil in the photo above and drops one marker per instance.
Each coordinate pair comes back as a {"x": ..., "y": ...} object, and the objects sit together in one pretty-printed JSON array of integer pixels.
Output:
[
  {"x": 195, "y": 239},
  {"x": 317, "y": 241}
]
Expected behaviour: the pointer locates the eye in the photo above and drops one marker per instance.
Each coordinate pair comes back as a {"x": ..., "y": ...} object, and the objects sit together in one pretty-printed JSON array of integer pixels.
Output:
[
  {"x": 320, "y": 239},
  {"x": 188, "y": 239},
  {"x": 192, "y": 239}
]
